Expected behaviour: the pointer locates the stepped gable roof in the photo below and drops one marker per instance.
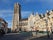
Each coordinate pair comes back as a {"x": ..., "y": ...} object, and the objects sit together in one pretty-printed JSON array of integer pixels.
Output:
[
  {"x": 48, "y": 13},
  {"x": 41, "y": 16}
]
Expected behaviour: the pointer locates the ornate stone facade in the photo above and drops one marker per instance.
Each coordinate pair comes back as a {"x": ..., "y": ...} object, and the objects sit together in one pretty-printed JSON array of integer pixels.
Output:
[
  {"x": 42, "y": 22},
  {"x": 3, "y": 25},
  {"x": 33, "y": 22},
  {"x": 16, "y": 17}
]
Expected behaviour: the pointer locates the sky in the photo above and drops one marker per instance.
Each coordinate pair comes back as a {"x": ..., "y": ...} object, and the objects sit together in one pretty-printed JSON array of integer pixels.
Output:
[{"x": 27, "y": 7}]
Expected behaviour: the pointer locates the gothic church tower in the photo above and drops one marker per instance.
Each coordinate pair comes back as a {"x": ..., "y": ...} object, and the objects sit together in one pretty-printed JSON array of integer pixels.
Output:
[{"x": 16, "y": 17}]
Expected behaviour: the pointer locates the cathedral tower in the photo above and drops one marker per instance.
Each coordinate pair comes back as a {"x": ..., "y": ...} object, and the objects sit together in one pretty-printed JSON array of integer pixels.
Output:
[{"x": 16, "y": 17}]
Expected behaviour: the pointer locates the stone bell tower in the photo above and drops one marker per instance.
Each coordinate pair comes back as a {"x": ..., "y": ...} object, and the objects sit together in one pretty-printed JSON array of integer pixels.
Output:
[{"x": 16, "y": 17}]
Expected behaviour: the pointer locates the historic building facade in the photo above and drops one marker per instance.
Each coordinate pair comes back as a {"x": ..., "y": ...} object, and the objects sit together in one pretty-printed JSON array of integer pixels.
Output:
[
  {"x": 33, "y": 22},
  {"x": 16, "y": 17},
  {"x": 3, "y": 25}
]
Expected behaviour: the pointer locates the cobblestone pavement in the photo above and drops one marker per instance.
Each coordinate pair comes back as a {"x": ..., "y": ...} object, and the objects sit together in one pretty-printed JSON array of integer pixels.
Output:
[
  {"x": 15, "y": 36},
  {"x": 45, "y": 37},
  {"x": 25, "y": 36}
]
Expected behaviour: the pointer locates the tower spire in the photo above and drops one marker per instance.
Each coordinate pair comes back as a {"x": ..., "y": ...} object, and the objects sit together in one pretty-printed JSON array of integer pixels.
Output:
[{"x": 16, "y": 17}]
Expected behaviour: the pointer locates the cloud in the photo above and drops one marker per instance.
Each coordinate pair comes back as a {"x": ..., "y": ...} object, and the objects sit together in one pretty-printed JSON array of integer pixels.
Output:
[
  {"x": 6, "y": 10},
  {"x": 9, "y": 24},
  {"x": 8, "y": 15},
  {"x": 5, "y": 13}
]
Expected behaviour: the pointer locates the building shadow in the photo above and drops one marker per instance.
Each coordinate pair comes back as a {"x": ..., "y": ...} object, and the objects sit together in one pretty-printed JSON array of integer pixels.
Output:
[
  {"x": 26, "y": 35},
  {"x": 15, "y": 36},
  {"x": 43, "y": 37}
]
